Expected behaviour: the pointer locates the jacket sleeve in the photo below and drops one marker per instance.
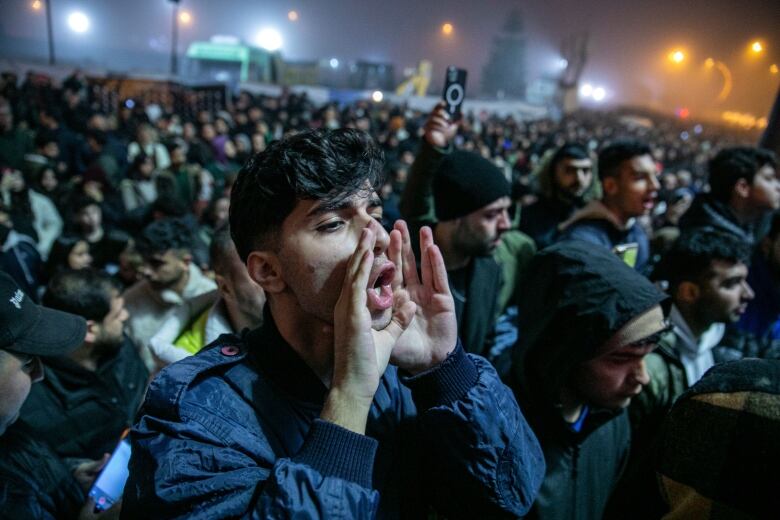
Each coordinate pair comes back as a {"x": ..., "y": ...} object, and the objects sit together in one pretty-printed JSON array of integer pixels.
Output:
[
  {"x": 200, "y": 466},
  {"x": 417, "y": 198},
  {"x": 481, "y": 456}
]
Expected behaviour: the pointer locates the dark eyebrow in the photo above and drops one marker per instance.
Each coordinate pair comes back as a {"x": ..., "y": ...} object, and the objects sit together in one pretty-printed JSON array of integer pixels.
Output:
[{"x": 341, "y": 204}]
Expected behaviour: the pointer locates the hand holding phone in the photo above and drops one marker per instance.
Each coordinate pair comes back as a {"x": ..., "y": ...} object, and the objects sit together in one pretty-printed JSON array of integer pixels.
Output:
[
  {"x": 108, "y": 487},
  {"x": 454, "y": 91}
]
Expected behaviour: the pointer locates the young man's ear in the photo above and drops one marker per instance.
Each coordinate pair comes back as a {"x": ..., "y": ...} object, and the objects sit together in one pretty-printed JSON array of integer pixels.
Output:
[
  {"x": 609, "y": 185},
  {"x": 265, "y": 269},
  {"x": 687, "y": 292},
  {"x": 742, "y": 188},
  {"x": 92, "y": 331}
]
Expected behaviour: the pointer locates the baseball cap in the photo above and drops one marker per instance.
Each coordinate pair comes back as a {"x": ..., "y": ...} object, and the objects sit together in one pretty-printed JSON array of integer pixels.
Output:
[{"x": 28, "y": 328}]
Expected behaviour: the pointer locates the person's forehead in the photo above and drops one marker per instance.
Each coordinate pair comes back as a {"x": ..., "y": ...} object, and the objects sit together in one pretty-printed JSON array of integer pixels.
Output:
[
  {"x": 583, "y": 162},
  {"x": 498, "y": 204},
  {"x": 727, "y": 268},
  {"x": 308, "y": 209},
  {"x": 642, "y": 163}
]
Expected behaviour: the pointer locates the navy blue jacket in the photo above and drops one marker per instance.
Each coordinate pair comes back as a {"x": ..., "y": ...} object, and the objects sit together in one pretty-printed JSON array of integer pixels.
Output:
[{"x": 234, "y": 432}]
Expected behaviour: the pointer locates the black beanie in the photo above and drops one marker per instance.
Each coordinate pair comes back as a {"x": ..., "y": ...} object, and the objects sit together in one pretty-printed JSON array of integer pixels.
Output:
[{"x": 465, "y": 182}]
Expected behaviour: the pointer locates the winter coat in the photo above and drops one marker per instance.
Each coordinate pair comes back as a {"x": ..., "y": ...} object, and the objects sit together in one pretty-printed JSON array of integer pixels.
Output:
[
  {"x": 578, "y": 298},
  {"x": 596, "y": 224},
  {"x": 706, "y": 212},
  {"x": 233, "y": 431}
]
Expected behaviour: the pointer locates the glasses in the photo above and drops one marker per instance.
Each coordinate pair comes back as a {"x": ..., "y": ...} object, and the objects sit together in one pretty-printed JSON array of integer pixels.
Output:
[{"x": 653, "y": 339}]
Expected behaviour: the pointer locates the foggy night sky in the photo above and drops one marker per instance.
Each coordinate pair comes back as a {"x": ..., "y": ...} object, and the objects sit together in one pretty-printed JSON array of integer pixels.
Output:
[{"x": 629, "y": 40}]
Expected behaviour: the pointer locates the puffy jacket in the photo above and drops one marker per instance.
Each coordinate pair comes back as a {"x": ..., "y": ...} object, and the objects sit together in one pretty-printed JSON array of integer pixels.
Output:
[
  {"x": 582, "y": 295},
  {"x": 234, "y": 432}
]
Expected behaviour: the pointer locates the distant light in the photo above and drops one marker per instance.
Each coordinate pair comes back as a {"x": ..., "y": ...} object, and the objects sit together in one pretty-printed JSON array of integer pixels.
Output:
[
  {"x": 78, "y": 22},
  {"x": 129, "y": 103},
  {"x": 269, "y": 39},
  {"x": 684, "y": 136},
  {"x": 377, "y": 96},
  {"x": 292, "y": 16},
  {"x": 563, "y": 63},
  {"x": 773, "y": 68},
  {"x": 447, "y": 29},
  {"x": 757, "y": 47},
  {"x": 586, "y": 90},
  {"x": 334, "y": 63},
  {"x": 677, "y": 56},
  {"x": 709, "y": 63},
  {"x": 599, "y": 94},
  {"x": 698, "y": 129},
  {"x": 683, "y": 112},
  {"x": 185, "y": 18},
  {"x": 36, "y": 5}
]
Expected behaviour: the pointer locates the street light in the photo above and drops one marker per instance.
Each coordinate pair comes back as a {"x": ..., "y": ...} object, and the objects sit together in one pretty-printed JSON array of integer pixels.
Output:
[
  {"x": 269, "y": 39},
  {"x": 773, "y": 68},
  {"x": 185, "y": 18},
  {"x": 377, "y": 96},
  {"x": 292, "y": 16},
  {"x": 757, "y": 47},
  {"x": 37, "y": 5},
  {"x": 677, "y": 56},
  {"x": 447, "y": 29},
  {"x": 78, "y": 22},
  {"x": 709, "y": 63}
]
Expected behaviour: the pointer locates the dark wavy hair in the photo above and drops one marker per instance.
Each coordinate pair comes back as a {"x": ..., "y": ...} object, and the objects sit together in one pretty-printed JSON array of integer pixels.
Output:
[
  {"x": 312, "y": 165},
  {"x": 58, "y": 255},
  {"x": 690, "y": 257},
  {"x": 616, "y": 152},
  {"x": 732, "y": 164},
  {"x": 86, "y": 293}
]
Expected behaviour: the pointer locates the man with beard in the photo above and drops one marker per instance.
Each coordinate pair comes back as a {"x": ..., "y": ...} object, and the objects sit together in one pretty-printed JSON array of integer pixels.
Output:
[
  {"x": 171, "y": 279},
  {"x": 565, "y": 179},
  {"x": 628, "y": 177},
  {"x": 465, "y": 199},
  {"x": 354, "y": 399},
  {"x": 90, "y": 396}
]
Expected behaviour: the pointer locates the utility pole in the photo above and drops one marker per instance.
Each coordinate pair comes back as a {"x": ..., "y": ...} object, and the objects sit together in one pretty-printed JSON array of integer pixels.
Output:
[
  {"x": 50, "y": 33},
  {"x": 175, "y": 39}
]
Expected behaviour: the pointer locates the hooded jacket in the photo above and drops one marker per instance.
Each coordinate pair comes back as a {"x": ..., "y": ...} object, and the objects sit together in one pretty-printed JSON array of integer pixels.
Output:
[
  {"x": 596, "y": 224},
  {"x": 706, "y": 212},
  {"x": 582, "y": 297},
  {"x": 540, "y": 220}
]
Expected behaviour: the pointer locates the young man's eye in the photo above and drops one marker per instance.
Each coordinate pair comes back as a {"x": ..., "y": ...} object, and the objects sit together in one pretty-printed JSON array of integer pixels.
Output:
[{"x": 330, "y": 227}]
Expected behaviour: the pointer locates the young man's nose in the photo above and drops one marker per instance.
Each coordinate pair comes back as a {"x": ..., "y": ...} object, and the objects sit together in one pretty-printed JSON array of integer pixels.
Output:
[
  {"x": 640, "y": 374},
  {"x": 382, "y": 237}
]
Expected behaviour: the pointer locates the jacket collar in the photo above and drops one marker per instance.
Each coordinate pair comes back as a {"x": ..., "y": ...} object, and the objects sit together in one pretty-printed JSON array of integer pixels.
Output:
[{"x": 277, "y": 360}]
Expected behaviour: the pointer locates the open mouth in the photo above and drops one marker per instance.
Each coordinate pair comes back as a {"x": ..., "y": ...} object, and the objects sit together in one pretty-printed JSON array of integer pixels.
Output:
[{"x": 380, "y": 292}]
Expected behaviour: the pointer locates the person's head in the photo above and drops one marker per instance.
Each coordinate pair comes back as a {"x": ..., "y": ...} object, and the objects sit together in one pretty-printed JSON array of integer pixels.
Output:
[
  {"x": 471, "y": 199},
  {"x": 707, "y": 275},
  {"x": 178, "y": 154},
  {"x": 88, "y": 215},
  {"x": 572, "y": 170},
  {"x": 745, "y": 176},
  {"x": 94, "y": 296},
  {"x": 27, "y": 331},
  {"x": 628, "y": 177},
  {"x": 96, "y": 139},
  {"x": 46, "y": 144},
  {"x": 587, "y": 326},
  {"x": 719, "y": 442},
  {"x": 235, "y": 286},
  {"x": 141, "y": 168},
  {"x": 68, "y": 252},
  {"x": 297, "y": 211},
  {"x": 146, "y": 134},
  {"x": 165, "y": 247}
]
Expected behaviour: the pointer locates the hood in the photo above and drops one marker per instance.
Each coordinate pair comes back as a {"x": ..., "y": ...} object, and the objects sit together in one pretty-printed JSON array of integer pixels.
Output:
[
  {"x": 594, "y": 210},
  {"x": 718, "y": 447},
  {"x": 579, "y": 296},
  {"x": 545, "y": 181},
  {"x": 706, "y": 212}
]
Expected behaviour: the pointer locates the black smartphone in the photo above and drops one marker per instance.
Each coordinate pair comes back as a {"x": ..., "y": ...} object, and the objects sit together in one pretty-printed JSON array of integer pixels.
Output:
[
  {"x": 454, "y": 90},
  {"x": 110, "y": 484}
]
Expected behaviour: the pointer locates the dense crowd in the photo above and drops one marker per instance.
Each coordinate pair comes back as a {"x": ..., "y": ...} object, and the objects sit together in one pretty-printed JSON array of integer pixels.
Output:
[{"x": 562, "y": 311}]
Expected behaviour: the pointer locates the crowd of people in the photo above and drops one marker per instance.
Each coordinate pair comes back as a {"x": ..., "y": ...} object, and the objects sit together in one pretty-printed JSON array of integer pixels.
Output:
[{"x": 358, "y": 310}]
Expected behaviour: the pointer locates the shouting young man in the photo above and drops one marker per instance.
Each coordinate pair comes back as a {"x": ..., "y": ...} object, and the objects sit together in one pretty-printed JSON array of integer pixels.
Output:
[{"x": 354, "y": 398}]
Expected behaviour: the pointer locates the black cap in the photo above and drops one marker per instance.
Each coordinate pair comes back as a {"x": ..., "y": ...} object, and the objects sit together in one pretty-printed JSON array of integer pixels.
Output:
[
  {"x": 465, "y": 182},
  {"x": 28, "y": 328}
]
